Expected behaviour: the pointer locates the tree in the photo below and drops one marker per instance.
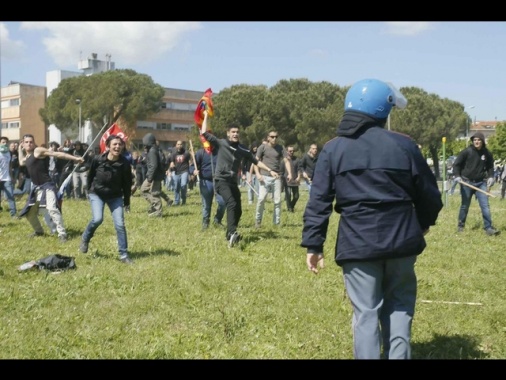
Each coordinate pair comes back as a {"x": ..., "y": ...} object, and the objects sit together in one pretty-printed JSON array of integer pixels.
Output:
[
  {"x": 427, "y": 119},
  {"x": 497, "y": 143},
  {"x": 105, "y": 98},
  {"x": 301, "y": 111}
]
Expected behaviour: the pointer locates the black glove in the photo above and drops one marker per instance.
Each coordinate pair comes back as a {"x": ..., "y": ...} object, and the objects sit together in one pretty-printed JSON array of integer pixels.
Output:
[{"x": 127, "y": 208}]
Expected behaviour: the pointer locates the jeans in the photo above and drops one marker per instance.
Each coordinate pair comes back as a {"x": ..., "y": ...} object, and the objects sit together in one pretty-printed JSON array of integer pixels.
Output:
[
  {"x": 454, "y": 185},
  {"x": 207, "y": 195},
  {"x": 383, "y": 297},
  {"x": 466, "y": 194},
  {"x": 253, "y": 187},
  {"x": 27, "y": 187},
  {"x": 180, "y": 188},
  {"x": 8, "y": 189},
  {"x": 269, "y": 184},
  {"x": 97, "y": 217},
  {"x": 169, "y": 182},
  {"x": 308, "y": 185},
  {"x": 80, "y": 183},
  {"x": 291, "y": 197},
  {"x": 52, "y": 214}
]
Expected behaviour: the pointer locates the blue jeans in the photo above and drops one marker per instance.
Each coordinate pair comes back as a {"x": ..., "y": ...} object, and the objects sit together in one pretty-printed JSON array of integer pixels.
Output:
[
  {"x": 253, "y": 187},
  {"x": 466, "y": 194},
  {"x": 180, "y": 188},
  {"x": 8, "y": 188},
  {"x": 268, "y": 185},
  {"x": 27, "y": 186},
  {"x": 97, "y": 217},
  {"x": 207, "y": 195}
]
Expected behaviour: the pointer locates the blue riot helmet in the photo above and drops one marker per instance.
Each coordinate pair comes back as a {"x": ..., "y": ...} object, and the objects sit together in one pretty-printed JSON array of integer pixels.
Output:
[{"x": 374, "y": 97}]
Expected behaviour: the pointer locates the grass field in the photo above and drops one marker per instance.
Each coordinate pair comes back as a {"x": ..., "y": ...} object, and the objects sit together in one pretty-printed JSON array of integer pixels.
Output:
[{"x": 188, "y": 296}]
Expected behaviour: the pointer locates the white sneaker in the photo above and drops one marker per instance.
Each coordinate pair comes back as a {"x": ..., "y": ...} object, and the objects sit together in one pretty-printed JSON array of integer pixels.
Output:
[{"x": 234, "y": 239}]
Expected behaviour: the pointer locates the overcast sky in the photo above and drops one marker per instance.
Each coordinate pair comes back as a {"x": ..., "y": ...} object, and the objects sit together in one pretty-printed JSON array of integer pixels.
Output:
[{"x": 462, "y": 61}]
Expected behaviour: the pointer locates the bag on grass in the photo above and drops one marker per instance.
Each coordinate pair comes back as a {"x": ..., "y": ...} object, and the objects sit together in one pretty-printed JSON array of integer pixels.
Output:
[{"x": 56, "y": 262}]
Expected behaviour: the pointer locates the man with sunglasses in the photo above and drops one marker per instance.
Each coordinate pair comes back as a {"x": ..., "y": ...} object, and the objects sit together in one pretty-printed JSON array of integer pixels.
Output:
[{"x": 273, "y": 155}]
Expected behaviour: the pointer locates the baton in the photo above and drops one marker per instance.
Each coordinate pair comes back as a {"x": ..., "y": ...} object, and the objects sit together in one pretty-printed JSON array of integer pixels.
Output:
[
  {"x": 477, "y": 189},
  {"x": 252, "y": 188}
]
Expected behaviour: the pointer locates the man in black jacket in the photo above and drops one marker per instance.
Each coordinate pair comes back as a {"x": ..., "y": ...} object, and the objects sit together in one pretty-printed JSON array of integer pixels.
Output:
[
  {"x": 230, "y": 155},
  {"x": 475, "y": 166},
  {"x": 387, "y": 198},
  {"x": 151, "y": 188}
]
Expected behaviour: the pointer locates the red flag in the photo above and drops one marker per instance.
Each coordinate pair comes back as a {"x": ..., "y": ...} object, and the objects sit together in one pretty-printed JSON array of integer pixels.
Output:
[
  {"x": 205, "y": 104},
  {"x": 113, "y": 130}
]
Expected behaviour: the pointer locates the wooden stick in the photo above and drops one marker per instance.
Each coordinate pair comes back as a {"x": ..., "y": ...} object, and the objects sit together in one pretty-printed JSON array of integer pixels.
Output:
[
  {"x": 453, "y": 302},
  {"x": 477, "y": 189},
  {"x": 193, "y": 157}
]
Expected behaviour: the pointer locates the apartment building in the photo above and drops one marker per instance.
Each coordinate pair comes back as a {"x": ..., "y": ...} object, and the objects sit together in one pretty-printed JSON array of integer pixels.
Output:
[
  {"x": 20, "y": 104},
  {"x": 173, "y": 122}
]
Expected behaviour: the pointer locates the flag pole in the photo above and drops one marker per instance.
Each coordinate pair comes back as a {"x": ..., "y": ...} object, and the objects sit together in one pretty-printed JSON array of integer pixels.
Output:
[
  {"x": 193, "y": 157},
  {"x": 69, "y": 177}
]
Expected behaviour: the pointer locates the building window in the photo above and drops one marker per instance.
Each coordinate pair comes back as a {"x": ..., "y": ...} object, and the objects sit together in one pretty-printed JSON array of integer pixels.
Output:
[
  {"x": 182, "y": 127},
  {"x": 181, "y": 106},
  {"x": 11, "y": 103}
]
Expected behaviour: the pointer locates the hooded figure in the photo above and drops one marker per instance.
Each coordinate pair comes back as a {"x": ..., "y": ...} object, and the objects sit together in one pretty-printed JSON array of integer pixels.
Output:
[
  {"x": 480, "y": 136},
  {"x": 475, "y": 163},
  {"x": 149, "y": 140},
  {"x": 474, "y": 170},
  {"x": 151, "y": 187}
]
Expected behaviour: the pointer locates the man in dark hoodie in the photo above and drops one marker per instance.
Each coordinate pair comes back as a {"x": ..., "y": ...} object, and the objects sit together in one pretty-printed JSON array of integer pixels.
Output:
[
  {"x": 387, "y": 198},
  {"x": 151, "y": 188},
  {"x": 475, "y": 166}
]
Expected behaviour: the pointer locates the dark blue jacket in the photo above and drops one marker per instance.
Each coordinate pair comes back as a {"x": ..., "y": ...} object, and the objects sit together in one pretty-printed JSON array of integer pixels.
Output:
[
  {"x": 203, "y": 161},
  {"x": 382, "y": 187}
]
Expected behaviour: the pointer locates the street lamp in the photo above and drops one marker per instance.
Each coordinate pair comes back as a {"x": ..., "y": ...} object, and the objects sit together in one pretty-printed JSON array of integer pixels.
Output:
[
  {"x": 469, "y": 120},
  {"x": 78, "y": 102}
]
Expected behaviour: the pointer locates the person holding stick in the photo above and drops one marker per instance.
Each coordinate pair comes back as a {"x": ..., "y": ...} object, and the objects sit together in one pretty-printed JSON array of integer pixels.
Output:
[
  {"x": 44, "y": 192},
  {"x": 474, "y": 170}
]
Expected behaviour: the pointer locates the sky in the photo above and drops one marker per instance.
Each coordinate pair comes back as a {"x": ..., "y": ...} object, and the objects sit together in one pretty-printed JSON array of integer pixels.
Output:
[{"x": 461, "y": 61}]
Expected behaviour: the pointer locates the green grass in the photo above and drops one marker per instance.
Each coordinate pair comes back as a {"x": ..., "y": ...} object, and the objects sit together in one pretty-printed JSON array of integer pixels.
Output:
[{"x": 188, "y": 296}]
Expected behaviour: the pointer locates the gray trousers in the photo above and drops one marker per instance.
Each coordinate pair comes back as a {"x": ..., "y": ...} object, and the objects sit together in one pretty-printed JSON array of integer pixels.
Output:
[
  {"x": 152, "y": 193},
  {"x": 383, "y": 296}
]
